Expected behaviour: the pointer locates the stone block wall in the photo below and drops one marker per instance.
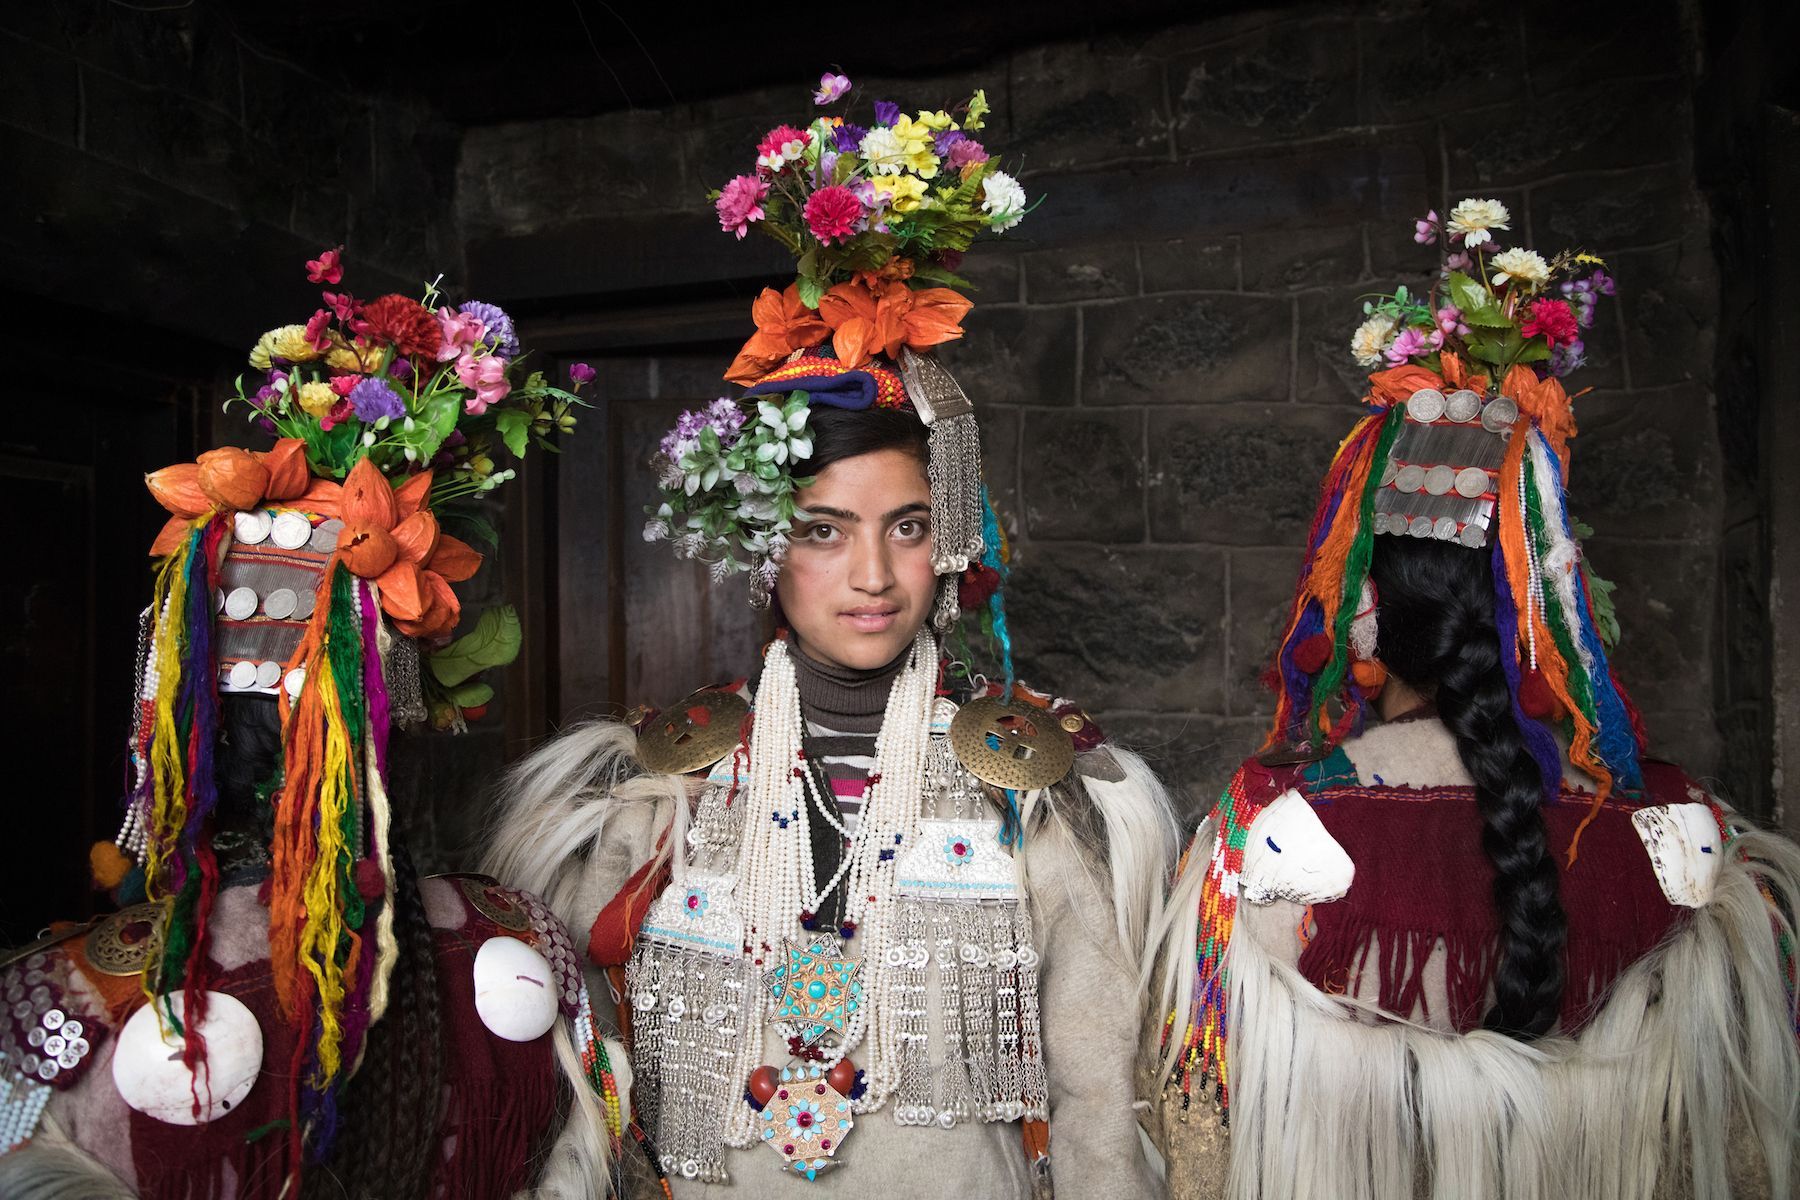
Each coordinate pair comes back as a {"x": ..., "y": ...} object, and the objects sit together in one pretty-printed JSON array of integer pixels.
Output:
[{"x": 1159, "y": 354}]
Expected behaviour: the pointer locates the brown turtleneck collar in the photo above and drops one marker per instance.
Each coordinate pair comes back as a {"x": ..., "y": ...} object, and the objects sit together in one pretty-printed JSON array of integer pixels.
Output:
[{"x": 843, "y": 698}]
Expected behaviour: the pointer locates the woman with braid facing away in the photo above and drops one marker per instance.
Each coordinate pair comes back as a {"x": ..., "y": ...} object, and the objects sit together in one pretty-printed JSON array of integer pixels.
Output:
[{"x": 1453, "y": 933}]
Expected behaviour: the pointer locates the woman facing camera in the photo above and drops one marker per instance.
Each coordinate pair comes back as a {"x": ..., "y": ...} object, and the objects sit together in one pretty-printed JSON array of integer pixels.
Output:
[
  {"x": 873, "y": 921},
  {"x": 1454, "y": 933}
]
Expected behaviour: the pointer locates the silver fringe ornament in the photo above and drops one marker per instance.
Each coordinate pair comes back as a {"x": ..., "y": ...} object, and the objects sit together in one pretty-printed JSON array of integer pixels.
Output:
[{"x": 954, "y": 469}]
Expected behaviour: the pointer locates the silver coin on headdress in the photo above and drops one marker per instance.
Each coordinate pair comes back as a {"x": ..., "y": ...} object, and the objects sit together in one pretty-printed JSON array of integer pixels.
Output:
[
  {"x": 1471, "y": 482},
  {"x": 1426, "y": 405},
  {"x": 1410, "y": 478},
  {"x": 1440, "y": 479},
  {"x": 1499, "y": 414},
  {"x": 1462, "y": 405}
]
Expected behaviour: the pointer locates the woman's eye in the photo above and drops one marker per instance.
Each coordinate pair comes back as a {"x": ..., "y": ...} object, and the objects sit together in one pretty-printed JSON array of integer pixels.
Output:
[
  {"x": 910, "y": 529},
  {"x": 819, "y": 533}
]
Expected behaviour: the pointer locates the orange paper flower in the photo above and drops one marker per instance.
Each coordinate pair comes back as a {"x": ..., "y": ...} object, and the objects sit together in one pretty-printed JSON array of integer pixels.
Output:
[
  {"x": 389, "y": 537},
  {"x": 871, "y": 315},
  {"x": 234, "y": 480},
  {"x": 783, "y": 325}
]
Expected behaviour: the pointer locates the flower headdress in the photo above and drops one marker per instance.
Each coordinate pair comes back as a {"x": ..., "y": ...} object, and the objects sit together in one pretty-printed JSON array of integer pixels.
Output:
[
  {"x": 1467, "y": 440},
  {"x": 317, "y": 573},
  {"x": 878, "y": 218}
]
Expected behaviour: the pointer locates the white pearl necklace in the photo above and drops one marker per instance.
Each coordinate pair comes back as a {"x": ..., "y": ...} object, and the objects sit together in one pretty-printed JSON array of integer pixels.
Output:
[{"x": 775, "y": 867}]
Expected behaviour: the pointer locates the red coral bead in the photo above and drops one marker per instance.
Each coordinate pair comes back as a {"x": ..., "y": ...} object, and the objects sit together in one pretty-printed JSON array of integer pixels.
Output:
[{"x": 763, "y": 1082}]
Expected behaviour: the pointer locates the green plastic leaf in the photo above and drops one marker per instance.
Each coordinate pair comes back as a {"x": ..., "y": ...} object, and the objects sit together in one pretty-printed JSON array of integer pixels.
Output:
[
  {"x": 493, "y": 642},
  {"x": 514, "y": 426},
  {"x": 472, "y": 694},
  {"x": 811, "y": 290}
]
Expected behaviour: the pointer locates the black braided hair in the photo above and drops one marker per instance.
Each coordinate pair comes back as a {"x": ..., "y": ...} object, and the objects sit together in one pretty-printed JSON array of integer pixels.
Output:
[
  {"x": 1438, "y": 634},
  {"x": 387, "y": 1142}
]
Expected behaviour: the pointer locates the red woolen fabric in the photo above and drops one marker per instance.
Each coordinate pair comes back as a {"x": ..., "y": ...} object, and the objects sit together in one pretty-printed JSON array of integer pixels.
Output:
[{"x": 1421, "y": 877}]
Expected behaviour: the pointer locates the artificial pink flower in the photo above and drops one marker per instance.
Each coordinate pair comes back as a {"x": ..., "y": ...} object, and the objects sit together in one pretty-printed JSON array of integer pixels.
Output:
[
  {"x": 830, "y": 88},
  {"x": 832, "y": 214},
  {"x": 740, "y": 202},
  {"x": 966, "y": 153},
  {"x": 327, "y": 268},
  {"x": 1427, "y": 229},
  {"x": 1449, "y": 320},
  {"x": 462, "y": 332},
  {"x": 1552, "y": 318},
  {"x": 486, "y": 376},
  {"x": 315, "y": 330},
  {"x": 343, "y": 304},
  {"x": 343, "y": 385},
  {"x": 1460, "y": 261},
  {"x": 781, "y": 146},
  {"x": 1412, "y": 343}
]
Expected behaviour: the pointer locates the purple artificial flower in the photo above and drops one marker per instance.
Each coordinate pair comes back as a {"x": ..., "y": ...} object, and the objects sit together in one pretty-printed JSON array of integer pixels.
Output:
[
  {"x": 726, "y": 418},
  {"x": 940, "y": 145},
  {"x": 1602, "y": 283},
  {"x": 831, "y": 87},
  {"x": 886, "y": 112},
  {"x": 1566, "y": 357},
  {"x": 1426, "y": 229},
  {"x": 402, "y": 369},
  {"x": 500, "y": 335},
  {"x": 1460, "y": 261},
  {"x": 581, "y": 373},
  {"x": 267, "y": 426},
  {"x": 373, "y": 399},
  {"x": 848, "y": 137}
]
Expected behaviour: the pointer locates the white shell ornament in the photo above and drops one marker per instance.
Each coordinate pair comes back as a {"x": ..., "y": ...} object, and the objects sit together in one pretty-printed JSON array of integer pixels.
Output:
[
  {"x": 515, "y": 990},
  {"x": 1686, "y": 849},
  {"x": 1289, "y": 855},
  {"x": 148, "y": 1071}
]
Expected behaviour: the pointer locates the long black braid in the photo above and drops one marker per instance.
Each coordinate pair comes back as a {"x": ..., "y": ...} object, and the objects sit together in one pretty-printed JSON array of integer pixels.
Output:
[{"x": 1438, "y": 634}]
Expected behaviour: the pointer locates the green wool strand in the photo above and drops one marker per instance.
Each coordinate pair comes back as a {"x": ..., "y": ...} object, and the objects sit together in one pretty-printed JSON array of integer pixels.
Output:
[
  {"x": 1580, "y": 686},
  {"x": 1356, "y": 566},
  {"x": 344, "y": 654}
]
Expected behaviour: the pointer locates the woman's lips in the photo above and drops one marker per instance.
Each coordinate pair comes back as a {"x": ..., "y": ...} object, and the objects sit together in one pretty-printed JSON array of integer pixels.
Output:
[{"x": 870, "y": 620}]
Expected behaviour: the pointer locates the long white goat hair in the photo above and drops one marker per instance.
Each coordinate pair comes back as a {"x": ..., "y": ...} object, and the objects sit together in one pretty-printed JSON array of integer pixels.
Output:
[
  {"x": 1329, "y": 1098},
  {"x": 1169, "y": 953},
  {"x": 554, "y": 807},
  {"x": 1141, "y": 843}
]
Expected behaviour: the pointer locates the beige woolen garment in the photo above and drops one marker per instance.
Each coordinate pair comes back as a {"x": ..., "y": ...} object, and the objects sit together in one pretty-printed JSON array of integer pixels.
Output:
[
  {"x": 1089, "y": 1004},
  {"x": 1416, "y": 753}
]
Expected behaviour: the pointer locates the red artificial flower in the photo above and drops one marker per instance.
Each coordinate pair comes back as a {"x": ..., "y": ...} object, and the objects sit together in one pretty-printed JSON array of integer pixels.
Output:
[
  {"x": 315, "y": 330},
  {"x": 832, "y": 214},
  {"x": 976, "y": 586},
  {"x": 327, "y": 268},
  {"x": 343, "y": 385},
  {"x": 404, "y": 324},
  {"x": 343, "y": 304},
  {"x": 340, "y": 412},
  {"x": 1552, "y": 318}
]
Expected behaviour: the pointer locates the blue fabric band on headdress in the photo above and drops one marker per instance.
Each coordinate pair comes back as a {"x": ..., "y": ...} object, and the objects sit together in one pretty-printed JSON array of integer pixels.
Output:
[{"x": 850, "y": 389}]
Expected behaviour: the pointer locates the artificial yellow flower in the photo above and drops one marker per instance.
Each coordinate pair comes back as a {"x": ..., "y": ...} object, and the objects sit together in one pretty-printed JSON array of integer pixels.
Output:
[
  {"x": 915, "y": 142},
  {"x": 287, "y": 341},
  {"x": 978, "y": 108},
  {"x": 292, "y": 344},
  {"x": 358, "y": 355},
  {"x": 316, "y": 398},
  {"x": 937, "y": 121},
  {"x": 903, "y": 193},
  {"x": 1593, "y": 259}
]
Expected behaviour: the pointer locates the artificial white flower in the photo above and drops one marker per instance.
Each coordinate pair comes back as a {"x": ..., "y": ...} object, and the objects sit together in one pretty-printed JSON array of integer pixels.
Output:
[
  {"x": 1474, "y": 218},
  {"x": 1003, "y": 200},
  {"x": 884, "y": 151},
  {"x": 1371, "y": 339},
  {"x": 1521, "y": 266}
]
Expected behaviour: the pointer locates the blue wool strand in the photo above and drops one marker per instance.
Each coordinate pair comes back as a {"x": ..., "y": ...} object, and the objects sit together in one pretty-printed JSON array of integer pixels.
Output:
[
  {"x": 1616, "y": 740},
  {"x": 990, "y": 557},
  {"x": 199, "y": 677},
  {"x": 1295, "y": 682},
  {"x": 1538, "y": 739}
]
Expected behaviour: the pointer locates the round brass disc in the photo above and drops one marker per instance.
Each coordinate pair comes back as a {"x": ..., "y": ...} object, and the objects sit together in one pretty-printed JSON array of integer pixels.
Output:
[
  {"x": 1011, "y": 745},
  {"x": 494, "y": 902},
  {"x": 694, "y": 734},
  {"x": 127, "y": 941}
]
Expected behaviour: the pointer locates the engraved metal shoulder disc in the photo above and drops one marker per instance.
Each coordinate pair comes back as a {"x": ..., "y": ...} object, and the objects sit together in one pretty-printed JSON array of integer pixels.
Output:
[
  {"x": 694, "y": 734},
  {"x": 1011, "y": 745},
  {"x": 127, "y": 941}
]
